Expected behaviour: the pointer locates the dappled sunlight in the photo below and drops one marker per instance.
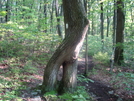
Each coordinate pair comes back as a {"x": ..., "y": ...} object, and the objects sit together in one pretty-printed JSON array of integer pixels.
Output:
[
  {"x": 39, "y": 77},
  {"x": 5, "y": 78},
  {"x": 30, "y": 34},
  {"x": 3, "y": 66}
]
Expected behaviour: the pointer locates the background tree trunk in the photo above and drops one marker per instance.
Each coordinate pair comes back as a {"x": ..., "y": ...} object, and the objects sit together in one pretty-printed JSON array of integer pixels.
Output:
[
  {"x": 1, "y": 9},
  {"x": 58, "y": 11},
  {"x": 86, "y": 45},
  {"x": 102, "y": 26},
  {"x": 114, "y": 37},
  {"x": 108, "y": 19},
  {"x": 7, "y": 10},
  {"x": 93, "y": 28},
  {"x": 114, "y": 22},
  {"x": 118, "y": 58},
  {"x": 45, "y": 14},
  {"x": 76, "y": 25}
]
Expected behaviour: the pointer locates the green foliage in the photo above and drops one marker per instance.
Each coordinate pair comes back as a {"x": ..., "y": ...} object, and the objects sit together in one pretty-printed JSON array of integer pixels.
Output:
[
  {"x": 95, "y": 45},
  {"x": 3, "y": 13},
  {"x": 95, "y": 49},
  {"x": 29, "y": 67},
  {"x": 79, "y": 95},
  {"x": 8, "y": 96},
  {"x": 127, "y": 75},
  {"x": 93, "y": 72},
  {"x": 128, "y": 51},
  {"x": 124, "y": 81},
  {"x": 10, "y": 48},
  {"x": 10, "y": 87},
  {"x": 101, "y": 57},
  {"x": 51, "y": 96},
  {"x": 29, "y": 39},
  {"x": 22, "y": 48},
  {"x": 82, "y": 78},
  {"x": 31, "y": 44},
  {"x": 12, "y": 82}
]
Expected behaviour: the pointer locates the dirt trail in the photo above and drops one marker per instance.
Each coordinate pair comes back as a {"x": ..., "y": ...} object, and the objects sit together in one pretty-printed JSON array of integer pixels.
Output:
[{"x": 99, "y": 91}]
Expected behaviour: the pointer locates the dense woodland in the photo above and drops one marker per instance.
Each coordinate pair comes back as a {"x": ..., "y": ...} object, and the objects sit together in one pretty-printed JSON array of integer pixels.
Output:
[{"x": 54, "y": 50}]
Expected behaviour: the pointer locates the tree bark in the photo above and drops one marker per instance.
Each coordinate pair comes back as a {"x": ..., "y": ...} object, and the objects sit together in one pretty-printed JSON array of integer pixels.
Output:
[
  {"x": 102, "y": 26},
  {"x": 1, "y": 9},
  {"x": 114, "y": 22},
  {"x": 52, "y": 15},
  {"x": 76, "y": 25},
  {"x": 114, "y": 37},
  {"x": 93, "y": 28},
  {"x": 118, "y": 58},
  {"x": 86, "y": 45},
  {"x": 132, "y": 18},
  {"x": 108, "y": 19},
  {"x": 45, "y": 14},
  {"x": 58, "y": 14},
  {"x": 7, "y": 10}
]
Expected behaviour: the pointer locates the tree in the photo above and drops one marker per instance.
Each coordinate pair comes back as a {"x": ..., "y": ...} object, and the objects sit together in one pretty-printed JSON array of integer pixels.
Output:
[
  {"x": 86, "y": 45},
  {"x": 102, "y": 26},
  {"x": 113, "y": 36},
  {"x": 118, "y": 57},
  {"x": 7, "y": 10},
  {"x": 114, "y": 22},
  {"x": 76, "y": 26},
  {"x": 0, "y": 11},
  {"x": 132, "y": 17},
  {"x": 52, "y": 15},
  {"x": 58, "y": 11},
  {"x": 108, "y": 18},
  {"x": 45, "y": 13}
]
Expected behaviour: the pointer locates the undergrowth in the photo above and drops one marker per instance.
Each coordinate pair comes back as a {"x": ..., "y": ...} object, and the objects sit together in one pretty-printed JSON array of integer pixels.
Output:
[
  {"x": 13, "y": 79},
  {"x": 122, "y": 82},
  {"x": 79, "y": 94},
  {"x": 22, "y": 50},
  {"x": 104, "y": 55}
]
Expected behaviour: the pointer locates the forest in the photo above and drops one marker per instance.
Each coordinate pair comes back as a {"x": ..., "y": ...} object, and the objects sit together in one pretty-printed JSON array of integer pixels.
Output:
[{"x": 66, "y": 50}]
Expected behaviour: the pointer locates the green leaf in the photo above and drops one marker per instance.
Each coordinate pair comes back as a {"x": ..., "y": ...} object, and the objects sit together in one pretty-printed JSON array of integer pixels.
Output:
[{"x": 3, "y": 13}]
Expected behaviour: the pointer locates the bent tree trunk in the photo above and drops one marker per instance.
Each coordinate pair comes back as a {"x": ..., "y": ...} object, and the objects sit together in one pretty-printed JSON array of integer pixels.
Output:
[{"x": 76, "y": 25}]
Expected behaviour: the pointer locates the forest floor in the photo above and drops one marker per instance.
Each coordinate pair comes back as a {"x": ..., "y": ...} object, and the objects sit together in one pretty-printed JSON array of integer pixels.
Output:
[{"x": 99, "y": 90}]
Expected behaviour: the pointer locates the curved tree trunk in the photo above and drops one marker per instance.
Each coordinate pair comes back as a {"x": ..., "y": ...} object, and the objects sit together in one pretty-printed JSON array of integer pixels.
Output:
[{"x": 76, "y": 25}]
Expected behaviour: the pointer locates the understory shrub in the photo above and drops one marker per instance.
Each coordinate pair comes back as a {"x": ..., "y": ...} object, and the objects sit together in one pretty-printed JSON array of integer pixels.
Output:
[{"x": 101, "y": 57}]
